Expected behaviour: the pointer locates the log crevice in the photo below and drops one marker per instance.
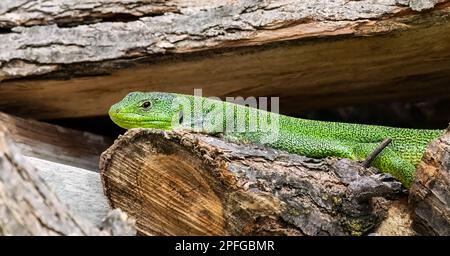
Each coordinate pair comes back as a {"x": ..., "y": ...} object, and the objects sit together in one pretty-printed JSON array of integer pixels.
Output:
[{"x": 75, "y": 13}]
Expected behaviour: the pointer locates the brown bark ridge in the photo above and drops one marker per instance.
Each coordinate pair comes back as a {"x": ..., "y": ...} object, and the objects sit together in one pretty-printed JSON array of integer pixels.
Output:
[
  {"x": 87, "y": 56},
  {"x": 429, "y": 197},
  {"x": 181, "y": 183},
  {"x": 29, "y": 207},
  {"x": 67, "y": 160}
]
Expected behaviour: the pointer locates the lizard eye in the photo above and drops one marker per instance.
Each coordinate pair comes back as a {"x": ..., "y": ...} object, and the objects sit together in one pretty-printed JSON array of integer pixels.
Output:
[{"x": 146, "y": 104}]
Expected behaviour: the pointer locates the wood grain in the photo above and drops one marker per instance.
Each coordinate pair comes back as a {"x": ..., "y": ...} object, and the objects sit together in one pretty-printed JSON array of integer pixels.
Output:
[
  {"x": 78, "y": 188},
  {"x": 27, "y": 204},
  {"x": 55, "y": 143},
  {"x": 311, "y": 54},
  {"x": 179, "y": 183},
  {"x": 67, "y": 160}
]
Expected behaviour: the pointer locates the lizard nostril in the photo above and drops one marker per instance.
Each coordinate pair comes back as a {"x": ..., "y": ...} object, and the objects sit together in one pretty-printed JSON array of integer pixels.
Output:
[{"x": 118, "y": 110}]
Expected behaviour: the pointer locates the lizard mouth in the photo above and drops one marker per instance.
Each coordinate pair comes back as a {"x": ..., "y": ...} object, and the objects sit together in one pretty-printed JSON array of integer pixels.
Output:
[{"x": 138, "y": 121}]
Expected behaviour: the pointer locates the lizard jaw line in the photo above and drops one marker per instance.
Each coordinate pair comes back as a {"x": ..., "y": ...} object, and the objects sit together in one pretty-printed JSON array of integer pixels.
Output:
[{"x": 139, "y": 122}]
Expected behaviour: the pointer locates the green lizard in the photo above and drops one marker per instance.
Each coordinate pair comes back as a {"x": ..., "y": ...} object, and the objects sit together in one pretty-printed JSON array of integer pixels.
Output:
[{"x": 317, "y": 139}]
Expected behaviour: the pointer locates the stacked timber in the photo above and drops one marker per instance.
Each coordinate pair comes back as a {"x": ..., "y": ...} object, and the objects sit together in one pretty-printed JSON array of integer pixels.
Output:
[
  {"x": 48, "y": 183},
  {"x": 65, "y": 59},
  {"x": 74, "y": 59}
]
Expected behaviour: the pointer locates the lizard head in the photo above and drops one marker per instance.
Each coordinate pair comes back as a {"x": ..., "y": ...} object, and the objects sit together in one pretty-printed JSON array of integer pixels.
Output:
[{"x": 144, "y": 110}]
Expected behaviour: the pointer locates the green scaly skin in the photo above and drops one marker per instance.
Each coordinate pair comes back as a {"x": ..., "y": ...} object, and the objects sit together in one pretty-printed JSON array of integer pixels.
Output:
[{"x": 317, "y": 139}]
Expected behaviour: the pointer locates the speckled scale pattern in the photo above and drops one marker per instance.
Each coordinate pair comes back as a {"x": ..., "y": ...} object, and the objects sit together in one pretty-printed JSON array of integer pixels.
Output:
[{"x": 316, "y": 139}]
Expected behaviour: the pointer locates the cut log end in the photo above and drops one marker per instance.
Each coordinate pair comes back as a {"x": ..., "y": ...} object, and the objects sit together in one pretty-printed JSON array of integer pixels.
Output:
[
  {"x": 174, "y": 188},
  {"x": 179, "y": 183}
]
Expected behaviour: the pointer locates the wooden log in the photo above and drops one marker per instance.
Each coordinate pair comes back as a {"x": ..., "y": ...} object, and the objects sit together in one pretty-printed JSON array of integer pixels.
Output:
[
  {"x": 118, "y": 223},
  {"x": 67, "y": 160},
  {"x": 29, "y": 207},
  {"x": 430, "y": 193},
  {"x": 398, "y": 220},
  {"x": 55, "y": 143},
  {"x": 179, "y": 183},
  {"x": 87, "y": 56}
]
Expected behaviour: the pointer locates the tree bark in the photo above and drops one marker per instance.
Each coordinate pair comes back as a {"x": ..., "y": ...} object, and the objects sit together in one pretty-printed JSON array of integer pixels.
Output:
[
  {"x": 89, "y": 55},
  {"x": 67, "y": 160},
  {"x": 29, "y": 207},
  {"x": 195, "y": 184},
  {"x": 430, "y": 194}
]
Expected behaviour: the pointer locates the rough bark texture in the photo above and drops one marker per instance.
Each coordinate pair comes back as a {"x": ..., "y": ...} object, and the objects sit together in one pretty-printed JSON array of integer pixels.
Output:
[
  {"x": 66, "y": 159},
  {"x": 181, "y": 183},
  {"x": 430, "y": 194},
  {"x": 103, "y": 49},
  {"x": 29, "y": 207},
  {"x": 15, "y": 13}
]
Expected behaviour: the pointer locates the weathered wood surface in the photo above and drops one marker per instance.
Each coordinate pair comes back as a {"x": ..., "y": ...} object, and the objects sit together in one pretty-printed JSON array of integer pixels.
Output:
[
  {"x": 430, "y": 194},
  {"x": 29, "y": 207},
  {"x": 79, "y": 188},
  {"x": 87, "y": 55},
  {"x": 66, "y": 159},
  {"x": 118, "y": 223},
  {"x": 178, "y": 183},
  {"x": 55, "y": 143}
]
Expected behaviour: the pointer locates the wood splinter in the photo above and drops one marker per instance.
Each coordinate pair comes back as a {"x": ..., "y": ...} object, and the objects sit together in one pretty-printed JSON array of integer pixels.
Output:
[{"x": 376, "y": 152}]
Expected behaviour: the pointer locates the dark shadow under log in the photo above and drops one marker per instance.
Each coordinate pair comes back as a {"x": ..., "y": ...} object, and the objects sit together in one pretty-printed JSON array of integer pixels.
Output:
[{"x": 178, "y": 183}]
